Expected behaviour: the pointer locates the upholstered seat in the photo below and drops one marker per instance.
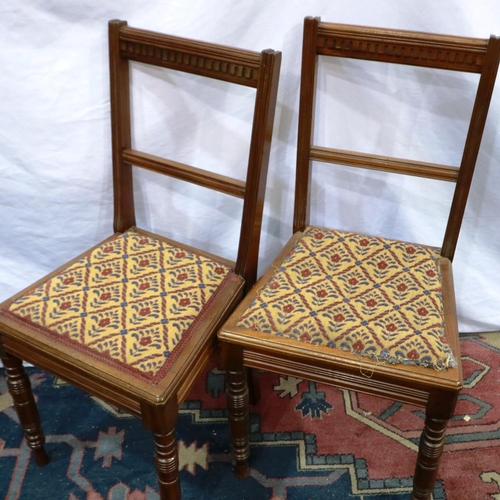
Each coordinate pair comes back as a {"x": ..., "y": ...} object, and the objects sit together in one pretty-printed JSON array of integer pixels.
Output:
[
  {"x": 132, "y": 302},
  {"x": 371, "y": 296}
]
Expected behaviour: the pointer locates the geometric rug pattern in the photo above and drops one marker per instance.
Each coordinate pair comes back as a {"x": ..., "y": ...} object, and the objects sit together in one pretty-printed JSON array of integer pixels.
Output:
[{"x": 308, "y": 441}]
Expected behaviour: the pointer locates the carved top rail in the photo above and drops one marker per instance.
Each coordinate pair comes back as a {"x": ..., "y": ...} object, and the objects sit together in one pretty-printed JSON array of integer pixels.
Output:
[
  {"x": 402, "y": 47},
  {"x": 211, "y": 60}
]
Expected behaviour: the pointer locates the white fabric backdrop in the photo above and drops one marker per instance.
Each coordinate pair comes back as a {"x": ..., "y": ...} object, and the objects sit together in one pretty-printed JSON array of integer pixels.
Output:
[{"x": 55, "y": 188}]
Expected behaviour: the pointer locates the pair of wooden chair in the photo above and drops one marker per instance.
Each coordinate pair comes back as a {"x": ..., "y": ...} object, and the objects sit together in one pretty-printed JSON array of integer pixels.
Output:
[{"x": 134, "y": 319}]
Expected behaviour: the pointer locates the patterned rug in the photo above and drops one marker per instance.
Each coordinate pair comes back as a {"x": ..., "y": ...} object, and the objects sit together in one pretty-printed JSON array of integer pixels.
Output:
[{"x": 309, "y": 442}]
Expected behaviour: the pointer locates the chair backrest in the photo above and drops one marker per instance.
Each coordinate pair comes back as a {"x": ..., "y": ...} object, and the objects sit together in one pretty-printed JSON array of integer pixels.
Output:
[
  {"x": 400, "y": 47},
  {"x": 241, "y": 67}
]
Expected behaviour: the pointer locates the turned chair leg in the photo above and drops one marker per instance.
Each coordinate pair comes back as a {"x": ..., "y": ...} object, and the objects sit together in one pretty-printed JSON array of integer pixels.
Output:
[
  {"x": 20, "y": 389},
  {"x": 429, "y": 453},
  {"x": 161, "y": 421},
  {"x": 237, "y": 405}
]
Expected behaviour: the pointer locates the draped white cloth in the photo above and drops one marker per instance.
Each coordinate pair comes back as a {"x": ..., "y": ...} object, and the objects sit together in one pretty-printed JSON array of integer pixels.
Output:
[{"x": 55, "y": 187}]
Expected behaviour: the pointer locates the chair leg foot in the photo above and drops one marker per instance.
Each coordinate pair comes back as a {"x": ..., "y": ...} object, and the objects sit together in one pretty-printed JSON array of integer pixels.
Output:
[
  {"x": 429, "y": 453},
  {"x": 242, "y": 469},
  {"x": 161, "y": 421},
  {"x": 237, "y": 403},
  {"x": 41, "y": 457},
  {"x": 24, "y": 402}
]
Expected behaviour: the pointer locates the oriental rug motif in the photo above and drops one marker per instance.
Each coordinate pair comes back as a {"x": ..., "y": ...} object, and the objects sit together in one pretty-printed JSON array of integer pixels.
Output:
[{"x": 309, "y": 442}]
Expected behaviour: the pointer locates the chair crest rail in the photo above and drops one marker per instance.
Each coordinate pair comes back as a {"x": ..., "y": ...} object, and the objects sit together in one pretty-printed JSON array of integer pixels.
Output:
[
  {"x": 402, "y": 47},
  {"x": 211, "y": 60}
]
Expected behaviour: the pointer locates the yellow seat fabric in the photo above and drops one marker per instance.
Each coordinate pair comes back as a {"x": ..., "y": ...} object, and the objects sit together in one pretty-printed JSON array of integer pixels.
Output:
[
  {"x": 372, "y": 296},
  {"x": 130, "y": 302}
]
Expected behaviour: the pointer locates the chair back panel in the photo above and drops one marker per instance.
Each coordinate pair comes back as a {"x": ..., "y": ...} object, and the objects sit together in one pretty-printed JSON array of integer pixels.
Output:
[
  {"x": 399, "y": 47},
  {"x": 236, "y": 66}
]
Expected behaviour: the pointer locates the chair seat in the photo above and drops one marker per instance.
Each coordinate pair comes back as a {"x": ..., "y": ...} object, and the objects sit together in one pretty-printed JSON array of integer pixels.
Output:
[
  {"x": 372, "y": 296},
  {"x": 132, "y": 302}
]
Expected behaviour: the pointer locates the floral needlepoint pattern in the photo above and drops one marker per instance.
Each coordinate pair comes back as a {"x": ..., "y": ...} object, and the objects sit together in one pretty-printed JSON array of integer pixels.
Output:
[
  {"x": 371, "y": 296},
  {"x": 129, "y": 302}
]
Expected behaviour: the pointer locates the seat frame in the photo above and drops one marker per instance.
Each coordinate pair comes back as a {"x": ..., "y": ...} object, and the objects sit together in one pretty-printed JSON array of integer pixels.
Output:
[
  {"x": 157, "y": 405},
  {"x": 436, "y": 391}
]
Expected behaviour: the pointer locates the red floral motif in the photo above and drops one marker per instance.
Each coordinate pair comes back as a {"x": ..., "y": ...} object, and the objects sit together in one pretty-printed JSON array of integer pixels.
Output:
[
  {"x": 219, "y": 270},
  {"x": 182, "y": 276},
  {"x": 402, "y": 287},
  {"x": 364, "y": 242},
  {"x": 144, "y": 286},
  {"x": 184, "y": 302},
  {"x": 144, "y": 263},
  {"x": 382, "y": 265},
  {"x": 105, "y": 296},
  {"x": 305, "y": 273},
  {"x": 371, "y": 303},
  {"x": 319, "y": 236},
  {"x": 67, "y": 281},
  {"x": 353, "y": 281},
  {"x": 107, "y": 271},
  {"x": 335, "y": 257},
  {"x": 339, "y": 318},
  {"x": 322, "y": 293},
  {"x": 443, "y": 339},
  {"x": 143, "y": 241},
  {"x": 305, "y": 337},
  {"x": 288, "y": 308},
  {"x": 104, "y": 322},
  {"x": 358, "y": 346},
  {"x": 274, "y": 285},
  {"x": 413, "y": 354},
  {"x": 180, "y": 255},
  {"x": 410, "y": 250},
  {"x": 65, "y": 305},
  {"x": 391, "y": 327},
  {"x": 422, "y": 311},
  {"x": 430, "y": 273},
  {"x": 145, "y": 341},
  {"x": 107, "y": 249},
  {"x": 144, "y": 311}
]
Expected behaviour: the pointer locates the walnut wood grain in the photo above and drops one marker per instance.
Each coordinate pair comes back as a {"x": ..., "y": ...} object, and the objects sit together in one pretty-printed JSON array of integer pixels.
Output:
[
  {"x": 20, "y": 389},
  {"x": 123, "y": 189},
  {"x": 190, "y": 56},
  {"x": 384, "y": 163},
  {"x": 205, "y": 178},
  {"x": 402, "y": 47}
]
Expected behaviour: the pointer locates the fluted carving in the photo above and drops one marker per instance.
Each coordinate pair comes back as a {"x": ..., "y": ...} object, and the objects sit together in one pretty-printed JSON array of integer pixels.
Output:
[
  {"x": 184, "y": 60},
  {"x": 456, "y": 53}
]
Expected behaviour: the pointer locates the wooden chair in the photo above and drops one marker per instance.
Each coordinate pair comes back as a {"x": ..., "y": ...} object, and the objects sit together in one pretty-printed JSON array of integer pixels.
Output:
[
  {"x": 363, "y": 313},
  {"x": 134, "y": 319}
]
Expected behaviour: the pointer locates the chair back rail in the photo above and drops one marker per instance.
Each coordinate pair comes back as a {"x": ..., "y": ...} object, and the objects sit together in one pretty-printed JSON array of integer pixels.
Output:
[
  {"x": 236, "y": 66},
  {"x": 402, "y": 47},
  {"x": 453, "y": 53}
]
